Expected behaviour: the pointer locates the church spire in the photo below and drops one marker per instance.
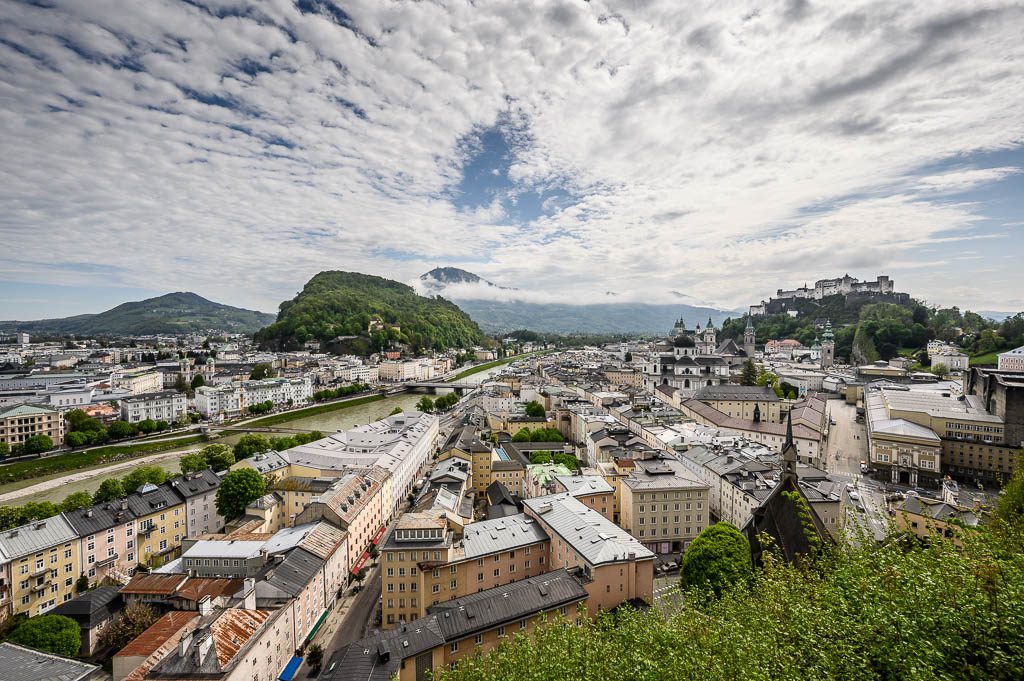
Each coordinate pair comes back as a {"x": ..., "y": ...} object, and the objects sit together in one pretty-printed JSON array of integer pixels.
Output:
[{"x": 789, "y": 453}]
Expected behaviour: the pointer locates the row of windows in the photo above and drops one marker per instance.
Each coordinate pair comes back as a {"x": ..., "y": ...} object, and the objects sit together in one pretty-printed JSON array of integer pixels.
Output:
[{"x": 664, "y": 507}]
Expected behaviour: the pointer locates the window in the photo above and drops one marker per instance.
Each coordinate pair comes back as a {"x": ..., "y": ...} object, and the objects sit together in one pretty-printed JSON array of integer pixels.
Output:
[
  {"x": 391, "y": 572},
  {"x": 436, "y": 588},
  {"x": 522, "y": 624},
  {"x": 501, "y": 631},
  {"x": 454, "y": 583},
  {"x": 454, "y": 647},
  {"x": 391, "y": 588},
  {"x": 479, "y": 639},
  {"x": 479, "y": 576}
]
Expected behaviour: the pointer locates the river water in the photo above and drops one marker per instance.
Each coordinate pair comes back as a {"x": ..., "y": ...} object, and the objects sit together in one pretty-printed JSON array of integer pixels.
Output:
[{"x": 330, "y": 422}]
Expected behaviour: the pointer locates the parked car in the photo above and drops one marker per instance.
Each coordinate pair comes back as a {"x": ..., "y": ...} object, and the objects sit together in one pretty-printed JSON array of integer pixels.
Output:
[
  {"x": 670, "y": 566},
  {"x": 854, "y": 495}
]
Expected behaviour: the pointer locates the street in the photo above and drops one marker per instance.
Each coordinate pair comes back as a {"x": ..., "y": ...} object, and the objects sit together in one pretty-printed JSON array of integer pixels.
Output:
[{"x": 846, "y": 447}]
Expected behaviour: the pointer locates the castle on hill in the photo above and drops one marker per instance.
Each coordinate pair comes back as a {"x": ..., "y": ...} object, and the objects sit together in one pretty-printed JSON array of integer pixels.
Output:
[{"x": 882, "y": 288}]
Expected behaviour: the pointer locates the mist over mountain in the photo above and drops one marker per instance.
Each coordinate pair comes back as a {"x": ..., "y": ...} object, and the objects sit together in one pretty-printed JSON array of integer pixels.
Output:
[{"x": 498, "y": 309}]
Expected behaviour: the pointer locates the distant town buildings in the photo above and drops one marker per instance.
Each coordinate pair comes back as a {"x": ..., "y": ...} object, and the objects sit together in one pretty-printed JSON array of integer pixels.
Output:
[{"x": 1012, "y": 360}]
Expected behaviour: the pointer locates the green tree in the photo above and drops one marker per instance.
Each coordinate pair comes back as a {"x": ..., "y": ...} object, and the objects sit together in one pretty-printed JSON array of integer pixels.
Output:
[
  {"x": 534, "y": 409},
  {"x": 718, "y": 558},
  {"x": 250, "y": 445},
  {"x": 10, "y": 516},
  {"x": 146, "y": 426},
  {"x": 5, "y": 450},
  {"x": 218, "y": 457},
  {"x": 110, "y": 489},
  {"x": 939, "y": 369},
  {"x": 237, "y": 490},
  {"x": 76, "y": 501},
  {"x": 396, "y": 410},
  {"x": 198, "y": 381},
  {"x": 50, "y": 633},
  {"x": 261, "y": 371},
  {"x": 315, "y": 656},
  {"x": 82, "y": 584},
  {"x": 193, "y": 463},
  {"x": 37, "y": 444},
  {"x": 629, "y": 356},
  {"x": 1011, "y": 500},
  {"x": 426, "y": 405},
  {"x": 119, "y": 430},
  {"x": 76, "y": 439},
  {"x": 749, "y": 374},
  {"x": 143, "y": 474}
]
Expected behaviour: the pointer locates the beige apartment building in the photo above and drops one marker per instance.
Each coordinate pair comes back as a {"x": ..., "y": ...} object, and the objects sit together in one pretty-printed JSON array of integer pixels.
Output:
[
  {"x": 40, "y": 565},
  {"x": 21, "y": 421},
  {"x": 424, "y": 563},
  {"x": 663, "y": 505},
  {"x": 742, "y": 401}
]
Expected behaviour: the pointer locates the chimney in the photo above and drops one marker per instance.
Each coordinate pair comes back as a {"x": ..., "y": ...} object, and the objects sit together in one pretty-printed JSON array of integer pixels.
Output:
[
  {"x": 249, "y": 594},
  {"x": 203, "y": 648},
  {"x": 205, "y": 606},
  {"x": 184, "y": 643}
]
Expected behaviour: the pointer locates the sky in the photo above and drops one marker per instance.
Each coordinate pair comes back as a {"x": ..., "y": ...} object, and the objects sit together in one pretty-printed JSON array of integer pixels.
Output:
[{"x": 567, "y": 149}]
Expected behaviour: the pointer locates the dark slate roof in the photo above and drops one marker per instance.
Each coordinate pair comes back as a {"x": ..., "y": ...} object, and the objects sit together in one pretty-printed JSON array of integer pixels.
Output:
[
  {"x": 150, "y": 498},
  {"x": 24, "y": 664},
  {"x": 99, "y": 518},
  {"x": 508, "y": 603},
  {"x": 93, "y": 607},
  {"x": 379, "y": 657},
  {"x": 293, "y": 573},
  {"x": 195, "y": 484},
  {"x": 736, "y": 392},
  {"x": 466, "y": 439}
]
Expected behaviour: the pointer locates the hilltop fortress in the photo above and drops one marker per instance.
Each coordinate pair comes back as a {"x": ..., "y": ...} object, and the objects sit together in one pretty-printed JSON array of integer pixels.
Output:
[{"x": 882, "y": 288}]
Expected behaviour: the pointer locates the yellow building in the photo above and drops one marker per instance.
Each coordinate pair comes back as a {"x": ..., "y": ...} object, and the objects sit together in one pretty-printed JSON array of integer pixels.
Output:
[
  {"x": 40, "y": 565},
  {"x": 22, "y": 421},
  {"x": 464, "y": 443},
  {"x": 159, "y": 523}
]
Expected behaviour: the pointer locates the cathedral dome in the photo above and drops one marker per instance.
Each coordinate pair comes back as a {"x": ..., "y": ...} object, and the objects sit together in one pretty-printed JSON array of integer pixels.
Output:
[{"x": 683, "y": 341}]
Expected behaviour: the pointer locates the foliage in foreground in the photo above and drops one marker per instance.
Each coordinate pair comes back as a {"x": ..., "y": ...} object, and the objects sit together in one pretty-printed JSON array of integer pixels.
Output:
[
  {"x": 903, "y": 611},
  {"x": 50, "y": 633}
]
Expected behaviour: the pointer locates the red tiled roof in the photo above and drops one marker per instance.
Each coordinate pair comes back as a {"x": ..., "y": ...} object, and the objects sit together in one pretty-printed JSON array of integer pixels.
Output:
[
  {"x": 161, "y": 632},
  {"x": 198, "y": 587},
  {"x": 154, "y": 584}
]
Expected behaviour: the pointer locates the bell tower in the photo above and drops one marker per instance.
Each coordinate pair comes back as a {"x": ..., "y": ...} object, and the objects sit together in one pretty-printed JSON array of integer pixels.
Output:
[
  {"x": 828, "y": 347},
  {"x": 749, "y": 338}
]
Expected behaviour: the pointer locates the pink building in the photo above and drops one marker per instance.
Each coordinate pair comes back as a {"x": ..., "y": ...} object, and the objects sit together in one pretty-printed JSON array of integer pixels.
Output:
[{"x": 107, "y": 542}]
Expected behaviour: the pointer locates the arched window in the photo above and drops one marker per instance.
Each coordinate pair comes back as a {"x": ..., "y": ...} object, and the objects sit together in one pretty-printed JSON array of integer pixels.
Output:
[{"x": 686, "y": 383}]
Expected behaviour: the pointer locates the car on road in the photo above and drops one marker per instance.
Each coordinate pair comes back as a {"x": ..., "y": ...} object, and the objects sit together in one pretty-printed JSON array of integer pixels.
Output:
[
  {"x": 860, "y": 507},
  {"x": 854, "y": 495}
]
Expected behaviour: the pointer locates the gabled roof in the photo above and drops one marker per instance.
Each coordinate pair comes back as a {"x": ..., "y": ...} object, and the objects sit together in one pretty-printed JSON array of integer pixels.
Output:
[
  {"x": 153, "y": 584},
  {"x": 99, "y": 518},
  {"x": 501, "y": 534},
  {"x": 293, "y": 574},
  {"x": 150, "y": 499},
  {"x": 35, "y": 536},
  {"x": 195, "y": 484}
]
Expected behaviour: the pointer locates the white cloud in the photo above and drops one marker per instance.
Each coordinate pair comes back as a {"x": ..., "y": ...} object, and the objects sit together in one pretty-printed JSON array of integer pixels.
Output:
[{"x": 711, "y": 151}]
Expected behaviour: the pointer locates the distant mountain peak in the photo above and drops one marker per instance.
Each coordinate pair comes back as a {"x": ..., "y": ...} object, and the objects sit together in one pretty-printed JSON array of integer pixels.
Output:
[{"x": 438, "y": 279}]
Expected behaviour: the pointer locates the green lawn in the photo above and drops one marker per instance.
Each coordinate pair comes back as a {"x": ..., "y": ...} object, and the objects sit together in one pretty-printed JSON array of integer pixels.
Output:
[
  {"x": 987, "y": 359},
  {"x": 61, "y": 463}
]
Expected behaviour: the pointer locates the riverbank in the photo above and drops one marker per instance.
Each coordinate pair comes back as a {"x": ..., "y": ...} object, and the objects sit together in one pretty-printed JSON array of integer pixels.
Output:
[
  {"x": 490, "y": 365},
  {"x": 28, "y": 472}
]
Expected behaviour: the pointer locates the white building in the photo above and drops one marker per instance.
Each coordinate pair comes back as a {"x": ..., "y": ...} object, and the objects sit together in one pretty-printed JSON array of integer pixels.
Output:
[
  {"x": 166, "y": 405},
  {"x": 953, "y": 359},
  {"x": 232, "y": 399},
  {"x": 138, "y": 382},
  {"x": 1012, "y": 360},
  {"x": 399, "y": 444}
]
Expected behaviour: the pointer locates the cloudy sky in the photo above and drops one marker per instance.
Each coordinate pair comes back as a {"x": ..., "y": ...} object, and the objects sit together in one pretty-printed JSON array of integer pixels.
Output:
[{"x": 566, "y": 148}]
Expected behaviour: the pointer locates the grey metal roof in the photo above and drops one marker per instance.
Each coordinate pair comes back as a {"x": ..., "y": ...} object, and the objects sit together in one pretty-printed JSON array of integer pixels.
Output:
[
  {"x": 665, "y": 473},
  {"x": 506, "y": 604},
  {"x": 590, "y": 534},
  {"x": 23, "y": 664},
  {"x": 35, "y": 536},
  {"x": 99, "y": 518},
  {"x": 268, "y": 462},
  {"x": 379, "y": 657},
  {"x": 501, "y": 534},
  {"x": 152, "y": 499},
  {"x": 293, "y": 574},
  {"x": 584, "y": 484},
  {"x": 195, "y": 484}
]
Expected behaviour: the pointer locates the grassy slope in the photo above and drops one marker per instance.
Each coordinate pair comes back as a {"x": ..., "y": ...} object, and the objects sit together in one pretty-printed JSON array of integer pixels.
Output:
[{"x": 72, "y": 461}]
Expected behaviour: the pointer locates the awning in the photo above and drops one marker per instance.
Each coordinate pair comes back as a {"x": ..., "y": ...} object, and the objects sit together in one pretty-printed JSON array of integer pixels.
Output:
[
  {"x": 361, "y": 562},
  {"x": 312, "y": 632},
  {"x": 380, "y": 534},
  {"x": 290, "y": 669}
]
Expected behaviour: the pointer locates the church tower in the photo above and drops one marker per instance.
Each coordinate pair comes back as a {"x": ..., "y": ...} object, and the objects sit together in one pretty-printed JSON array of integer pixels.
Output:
[
  {"x": 679, "y": 329},
  {"x": 749, "y": 338},
  {"x": 828, "y": 347},
  {"x": 789, "y": 451}
]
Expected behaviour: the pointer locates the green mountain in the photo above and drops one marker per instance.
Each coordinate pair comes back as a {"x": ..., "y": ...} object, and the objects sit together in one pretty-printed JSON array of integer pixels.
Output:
[
  {"x": 340, "y": 307},
  {"x": 173, "y": 313}
]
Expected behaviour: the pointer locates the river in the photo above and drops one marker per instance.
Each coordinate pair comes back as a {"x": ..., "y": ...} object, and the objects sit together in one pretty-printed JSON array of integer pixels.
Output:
[{"x": 330, "y": 422}]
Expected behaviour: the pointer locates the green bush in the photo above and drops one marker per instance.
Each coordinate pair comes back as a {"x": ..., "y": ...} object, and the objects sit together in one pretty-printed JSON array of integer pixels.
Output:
[{"x": 50, "y": 633}]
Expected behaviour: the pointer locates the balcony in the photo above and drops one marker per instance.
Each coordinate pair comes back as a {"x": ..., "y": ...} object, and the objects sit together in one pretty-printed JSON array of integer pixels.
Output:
[
  {"x": 109, "y": 560},
  {"x": 40, "y": 571},
  {"x": 147, "y": 530},
  {"x": 39, "y": 588}
]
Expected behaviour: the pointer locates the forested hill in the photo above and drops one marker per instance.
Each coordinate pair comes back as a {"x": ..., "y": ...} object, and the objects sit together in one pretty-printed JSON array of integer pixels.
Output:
[
  {"x": 173, "y": 313},
  {"x": 345, "y": 304}
]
